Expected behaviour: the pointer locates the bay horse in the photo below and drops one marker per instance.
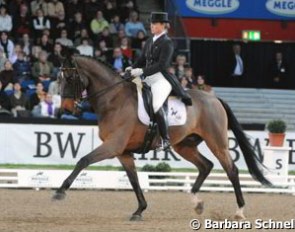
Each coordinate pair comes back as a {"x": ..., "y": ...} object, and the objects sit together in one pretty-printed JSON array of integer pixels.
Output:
[{"x": 115, "y": 101}]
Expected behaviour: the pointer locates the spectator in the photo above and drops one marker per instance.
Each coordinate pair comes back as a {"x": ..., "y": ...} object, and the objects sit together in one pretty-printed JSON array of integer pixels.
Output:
[
  {"x": 136, "y": 42},
  {"x": 55, "y": 8},
  {"x": 45, "y": 44},
  {"x": 42, "y": 69},
  {"x": 184, "y": 83},
  {"x": 72, "y": 7},
  {"x": 85, "y": 48},
  {"x": 19, "y": 102},
  {"x": 22, "y": 22},
  {"x": 105, "y": 35},
  {"x": 109, "y": 10},
  {"x": 54, "y": 91},
  {"x": 82, "y": 34},
  {"x": 105, "y": 51},
  {"x": 77, "y": 25},
  {"x": 40, "y": 23},
  {"x": 116, "y": 25},
  {"x": 22, "y": 68},
  {"x": 7, "y": 46},
  {"x": 59, "y": 23},
  {"x": 4, "y": 102},
  {"x": 56, "y": 58},
  {"x": 63, "y": 40},
  {"x": 7, "y": 76},
  {"x": 236, "y": 67},
  {"x": 36, "y": 50},
  {"x": 98, "y": 55},
  {"x": 180, "y": 65},
  {"x": 38, "y": 96},
  {"x": 125, "y": 48},
  {"x": 90, "y": 9},
  {"x": 47, "y": 107},
  {"x": 119, "y": 61},
  {"x": 39, "y": 4},
  {"x": 118, "y": 37},
  {"x": 26, "y": 43},
  {"x": 201, "y": 85},
  {"x": 125, "y": 8},
  {"x": 171, "y": 70},
  {"x": 278, "y": 72},
  {"x": 134, "y": 25},
  {"x": 5, "y": 19},
  {"x": 188, "y": 74},
  {"x": 98, "y": 23},
  {"x": 2, "y": 59}
]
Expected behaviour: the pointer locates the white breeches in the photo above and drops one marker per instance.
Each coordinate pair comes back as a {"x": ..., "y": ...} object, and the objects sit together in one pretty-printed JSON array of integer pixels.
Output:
[{"x": 160, "y": 88}]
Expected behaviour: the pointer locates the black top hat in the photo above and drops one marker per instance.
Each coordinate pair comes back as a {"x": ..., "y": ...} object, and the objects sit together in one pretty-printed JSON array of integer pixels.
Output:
[{"x": 159, "y": 17}]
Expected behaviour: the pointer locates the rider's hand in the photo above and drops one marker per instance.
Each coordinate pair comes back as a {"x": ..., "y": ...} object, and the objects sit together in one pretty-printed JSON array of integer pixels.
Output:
[{"x": 136, "y": 72}]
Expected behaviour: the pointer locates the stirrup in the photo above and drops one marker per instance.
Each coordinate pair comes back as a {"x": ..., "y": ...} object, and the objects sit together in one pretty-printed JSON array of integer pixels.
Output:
[{"x": 164, "y": 146}]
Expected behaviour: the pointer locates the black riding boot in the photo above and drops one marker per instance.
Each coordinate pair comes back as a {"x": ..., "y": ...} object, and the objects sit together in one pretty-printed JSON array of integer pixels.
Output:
[{"x": 162, "y": 121}]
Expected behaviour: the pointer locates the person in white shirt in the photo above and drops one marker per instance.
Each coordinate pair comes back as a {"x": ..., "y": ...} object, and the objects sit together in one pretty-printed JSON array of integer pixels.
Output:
[
  {"x": 7, "y": 46},
  {"x": 40, "y": 23},
  {"x": 5, "y": 19},
  {"x": 85, "y": 49},
  {"x": 63, "y": 40},
  {"x": 237, "y": 67}
]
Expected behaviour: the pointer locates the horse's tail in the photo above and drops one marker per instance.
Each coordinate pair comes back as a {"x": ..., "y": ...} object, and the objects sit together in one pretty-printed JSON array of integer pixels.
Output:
[{"x": 253, "y": 162}]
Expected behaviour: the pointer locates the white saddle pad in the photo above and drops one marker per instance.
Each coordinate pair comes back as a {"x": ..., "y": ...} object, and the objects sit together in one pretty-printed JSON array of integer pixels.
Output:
[{"x": 177, "y": 114}]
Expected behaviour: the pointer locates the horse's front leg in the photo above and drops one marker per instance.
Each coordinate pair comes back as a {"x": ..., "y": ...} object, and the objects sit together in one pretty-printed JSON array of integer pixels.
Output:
[
  {"x": 127, "y": 162},
  {"x": 105, "y": 151}
]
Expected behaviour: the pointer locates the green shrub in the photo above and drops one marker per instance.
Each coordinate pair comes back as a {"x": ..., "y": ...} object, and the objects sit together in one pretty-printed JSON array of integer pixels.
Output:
[
  {"x": 163, "y": 167},
  {"x": 148, "y": 168},
  {"x": 276, "y": 126}
]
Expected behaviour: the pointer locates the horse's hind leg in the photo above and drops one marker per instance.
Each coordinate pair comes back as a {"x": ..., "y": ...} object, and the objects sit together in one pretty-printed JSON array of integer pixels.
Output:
[
  {"x": 233, "y": 175},
  {"x": 127, "y": 162},
  {"x": 188, "y": 150}
]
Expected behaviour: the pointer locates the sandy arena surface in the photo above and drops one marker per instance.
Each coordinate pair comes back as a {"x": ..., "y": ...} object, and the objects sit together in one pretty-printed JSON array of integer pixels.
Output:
[{"x": 96, "y": 211}]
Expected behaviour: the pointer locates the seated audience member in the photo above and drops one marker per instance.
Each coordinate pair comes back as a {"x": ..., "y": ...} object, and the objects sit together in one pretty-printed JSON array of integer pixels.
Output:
[
  {"x": 180, "y": 65},
  {"x": 201, "y": 85},
  {"x": 39, "y": 4},
  {"x": 72, "y": 7},
  {"x": 77, "y": 25},
  {"x": 85, "y": 49},
  {"x": 36, "y": 50},
  {"x": 59, "y": 23},
  {"x": 2, "y": 59},
  {"x": 7, "y": 76},
  {"x": 54, "y": 91},
  {"x": 134, "y": 25},
  {"x": 64, "y": 40},
  {"x": 56, "y": 58},
  {"x": 188, "y": 73},
  {"x": 125, "y": 48},
  {"x": 26, "y": 44},
  {"x": 125, "y": 8},
  {"x": 171, "y": 70},
  {"x": 184, "y": 83},
  {"x": 40, "y": 23},
  {"x": 55, "y": 8},
  {"x": 136, "y": 42},
  {"x": 42, "y": 69},
  {"x": 45, "y": 44},
  {"x": 4, "y": 102},
  {"x": 104, "y": 49},
  {"x": 98, "y": 23},
  {"x": 98, "y": 55},
  {"x": 83, "y": 34},
  {"x": 91, "y": 7},
  {"x": 105, "y": 35},
  {"x": 38, "y": 96},
  {"x": 109, "y": 10},
  {"x": 5, "y": 19},
  {"x": 278, "y": 72},
  {"x": 46, "y": 108},
  {"x": 22, "y": 22},
  {"x": 22, "y": 68},
  {"x": 19, "y": 102},
  {"x": 7, "y": 46},
  {"x": 116, "y": 25},
  {"x": 119, "y": 61}
]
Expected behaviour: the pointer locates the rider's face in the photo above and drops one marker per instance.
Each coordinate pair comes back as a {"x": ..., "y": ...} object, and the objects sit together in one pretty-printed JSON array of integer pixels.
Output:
[{"x": 157, "y": 28}]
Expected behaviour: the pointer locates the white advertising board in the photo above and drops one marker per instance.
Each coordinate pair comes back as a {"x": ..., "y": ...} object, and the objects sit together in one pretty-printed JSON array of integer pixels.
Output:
[{"x": 60, "y": 144}]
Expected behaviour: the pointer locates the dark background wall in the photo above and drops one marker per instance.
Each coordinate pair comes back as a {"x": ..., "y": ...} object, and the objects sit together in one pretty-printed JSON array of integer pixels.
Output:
[{"x": 212, "y": 58}]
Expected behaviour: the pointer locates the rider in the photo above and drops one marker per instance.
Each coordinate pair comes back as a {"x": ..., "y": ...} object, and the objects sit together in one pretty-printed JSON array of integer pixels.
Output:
[{"x": 153, "y": 63}]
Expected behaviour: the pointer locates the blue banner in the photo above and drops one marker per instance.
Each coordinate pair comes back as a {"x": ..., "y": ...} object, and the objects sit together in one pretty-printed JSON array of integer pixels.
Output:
[{"x": 239, "y": 9}]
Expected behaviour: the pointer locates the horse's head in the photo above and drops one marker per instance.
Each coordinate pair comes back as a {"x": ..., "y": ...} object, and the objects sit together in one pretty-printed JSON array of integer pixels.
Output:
[{"x": 71, "y": 84}]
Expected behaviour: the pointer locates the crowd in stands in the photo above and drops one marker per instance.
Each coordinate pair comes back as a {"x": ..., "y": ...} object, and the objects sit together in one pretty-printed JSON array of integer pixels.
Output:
[{"x": 34, "y": 35}]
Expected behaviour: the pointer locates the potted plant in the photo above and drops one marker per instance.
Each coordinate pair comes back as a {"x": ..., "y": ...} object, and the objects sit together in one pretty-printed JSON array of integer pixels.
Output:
[{"x": 277, "y": 129}]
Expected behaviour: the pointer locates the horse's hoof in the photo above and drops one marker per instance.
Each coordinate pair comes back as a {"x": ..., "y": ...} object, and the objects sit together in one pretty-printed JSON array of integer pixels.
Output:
[
  {"x": 136, "y": 218},
  {"x": 199, "y": 208},
  {"x": 59, "y": 196}
]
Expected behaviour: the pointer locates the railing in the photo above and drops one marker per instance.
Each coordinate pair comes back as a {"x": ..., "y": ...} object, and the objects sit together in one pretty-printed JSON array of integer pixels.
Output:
[{"x": 156, "y": 181}]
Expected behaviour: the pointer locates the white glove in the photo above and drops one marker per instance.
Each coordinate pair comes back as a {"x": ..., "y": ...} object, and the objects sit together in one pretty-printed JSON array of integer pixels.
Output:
[
  {"x": 136, "y": 72},
  {"x": 128, "y": 68}
]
